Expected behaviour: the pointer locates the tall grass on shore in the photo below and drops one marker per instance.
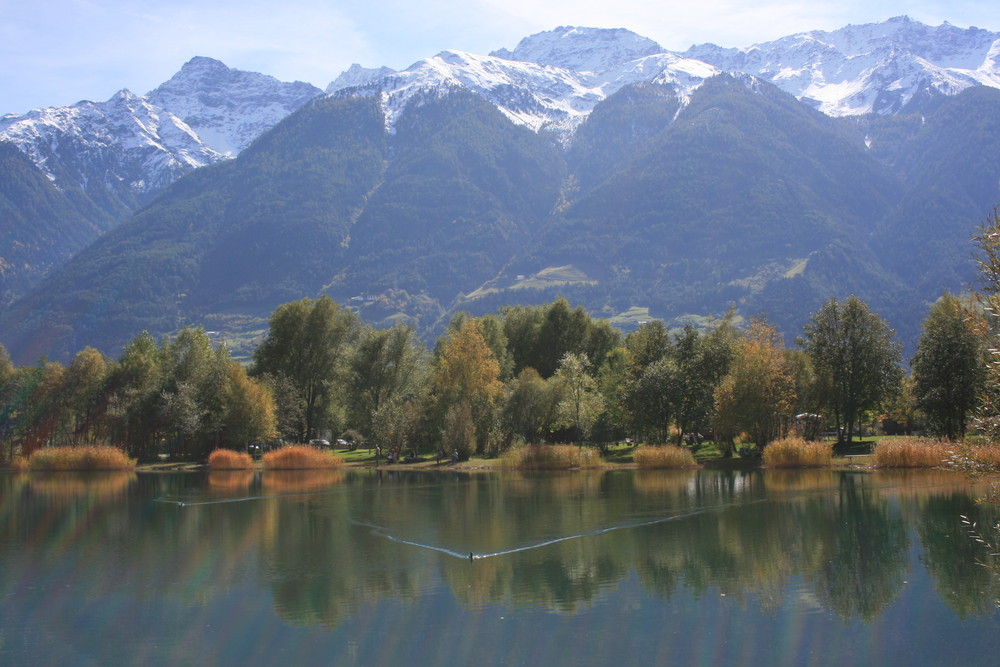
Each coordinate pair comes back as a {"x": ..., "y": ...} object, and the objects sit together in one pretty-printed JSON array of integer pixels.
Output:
[
  {"x": 80, "y": 458},
  {"x": 913, "y": 453},
  {"x": 550, "y": 457},
  {"x": 663, "y": 456},
  {"x": 797, "y": 453},
  {"x": 227, "y": 459},
  {"x": 300, "y": 457}
]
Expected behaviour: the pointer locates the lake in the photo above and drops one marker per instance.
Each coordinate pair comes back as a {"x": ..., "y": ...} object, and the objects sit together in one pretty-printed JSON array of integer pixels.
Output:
[{"x": 415, "y": 568}]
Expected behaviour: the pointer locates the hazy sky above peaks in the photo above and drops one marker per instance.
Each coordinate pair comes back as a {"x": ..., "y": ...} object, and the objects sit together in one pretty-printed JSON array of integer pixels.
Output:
[{"x": 58, "y": 52}]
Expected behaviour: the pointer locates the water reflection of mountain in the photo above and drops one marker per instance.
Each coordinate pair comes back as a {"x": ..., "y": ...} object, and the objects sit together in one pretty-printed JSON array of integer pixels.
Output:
[{"x": 327, "y": 549}]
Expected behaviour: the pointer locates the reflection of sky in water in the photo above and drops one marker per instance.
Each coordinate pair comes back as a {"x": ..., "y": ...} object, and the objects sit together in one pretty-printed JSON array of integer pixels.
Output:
[{"x": 690, "y": 568}]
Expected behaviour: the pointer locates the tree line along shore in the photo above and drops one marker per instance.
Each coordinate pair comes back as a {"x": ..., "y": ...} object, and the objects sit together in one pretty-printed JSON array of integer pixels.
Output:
[{"x": 527, "y": 375}]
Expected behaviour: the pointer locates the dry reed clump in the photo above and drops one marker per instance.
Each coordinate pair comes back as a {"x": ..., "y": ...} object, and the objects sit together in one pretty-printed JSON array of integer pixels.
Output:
[
  {"x": 80, "y": 458},
  {"x": 797, "y": 453},
  {"x": 663, "y": 456},
  {"x": 300, "y": 457},
  {"x": 913, "y": 453},
  {"x": 550, "y": 457},
  {"x": 227, "y": 459}
]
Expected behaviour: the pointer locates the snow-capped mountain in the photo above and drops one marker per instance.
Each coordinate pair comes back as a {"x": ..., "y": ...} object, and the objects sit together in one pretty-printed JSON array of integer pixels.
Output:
[
  {"x": 877, "y": 67},
  {"x": 228, "y": 108},
  {"x": 582, "y": 49},
  {"x": 551, "y": 81},
  {"x": 133, "y": 146},
  {"x": 357, "y": 75},
  {"x": 123, "y": 143}
]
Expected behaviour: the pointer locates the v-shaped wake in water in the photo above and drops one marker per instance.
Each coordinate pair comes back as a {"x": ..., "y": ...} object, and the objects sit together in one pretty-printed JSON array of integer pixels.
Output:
[{"x": 383, "y": 532}]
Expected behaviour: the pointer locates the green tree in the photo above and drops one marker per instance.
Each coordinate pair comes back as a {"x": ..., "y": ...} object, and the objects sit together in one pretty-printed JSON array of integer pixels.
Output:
[
  {"x": 528, "y": 408},
  {"x": 387, "y": 370},
  {"x": 855, "y": 352},
  {"x": 133, "y": 393},
  {"x": 648, "y": 383},
  {"x": 84, "y": 396},
  {"x": 579, "y": 403},
  {"x": 702, "y": 361},
  {"x": 539, "y": 337},
  {"x": 309, "y": 342},
  {"x": 191, "y": 396},
  {"x": 949, "y": 366}
]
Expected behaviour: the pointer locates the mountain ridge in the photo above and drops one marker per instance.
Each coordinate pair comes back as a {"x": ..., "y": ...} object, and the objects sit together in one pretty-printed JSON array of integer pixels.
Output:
[{"x": 473, "y": 182}]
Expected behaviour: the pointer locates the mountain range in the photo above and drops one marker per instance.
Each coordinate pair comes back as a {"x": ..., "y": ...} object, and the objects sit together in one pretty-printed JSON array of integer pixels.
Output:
[{"x": 586, "y": 162}]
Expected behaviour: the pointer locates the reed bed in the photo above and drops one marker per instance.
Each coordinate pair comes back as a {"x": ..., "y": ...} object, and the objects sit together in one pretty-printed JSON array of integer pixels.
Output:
[
  {"x": 913, "y": 453},
  {"x": 550, "y": 457},
  {"x": 797, "y": 453},
  {"x": 663, "y": 456},
  {"x": 227, "y": 459},
  {"x": 80, "y": 458},
  {"x": 300, "y": 457}
]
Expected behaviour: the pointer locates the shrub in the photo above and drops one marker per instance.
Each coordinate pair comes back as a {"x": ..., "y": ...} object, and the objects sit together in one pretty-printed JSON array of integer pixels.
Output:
[
  {"x": 80, "y": 458},
  {"x": 913, "y": 453},
  {"x": 300, "y": 457},
  {"x": 550, "y": 457},
  {"x": 227, "y": 459},
  {"x": 797, "y": 453},
  {"x": 663, "y": 456}
]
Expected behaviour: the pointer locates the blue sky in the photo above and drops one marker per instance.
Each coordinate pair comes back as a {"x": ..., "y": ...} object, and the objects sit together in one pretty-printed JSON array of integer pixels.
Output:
[{"x": 58, "y": 52}]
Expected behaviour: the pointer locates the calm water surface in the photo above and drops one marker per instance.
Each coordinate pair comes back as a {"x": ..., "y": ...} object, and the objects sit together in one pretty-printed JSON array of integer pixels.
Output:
[{"x": 687, "y": 568}]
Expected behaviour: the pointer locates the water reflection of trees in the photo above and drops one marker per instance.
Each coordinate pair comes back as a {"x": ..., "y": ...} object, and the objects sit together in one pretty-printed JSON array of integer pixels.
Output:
[{"x": 323, "y": 548}]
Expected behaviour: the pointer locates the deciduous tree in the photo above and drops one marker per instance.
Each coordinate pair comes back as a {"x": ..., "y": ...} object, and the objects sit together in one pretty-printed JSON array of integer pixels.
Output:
[
  {"x": 758, "y": 392},
  {"x": 949, "y": 366},
  {"x": 308, "y": 342},
  {"x": 855, "y": 352}
]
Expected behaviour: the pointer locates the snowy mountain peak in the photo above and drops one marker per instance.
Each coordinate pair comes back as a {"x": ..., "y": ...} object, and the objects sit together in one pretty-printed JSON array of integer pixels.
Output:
[
  {"x": 229, "y": 108},
  {"x": 357, "y": 75},
  {"x": 551, "y": 81},
  {"x": 875, "y": 67},
  {"x": 133, "y": 145},
  {"x": 582, "y": 49}
]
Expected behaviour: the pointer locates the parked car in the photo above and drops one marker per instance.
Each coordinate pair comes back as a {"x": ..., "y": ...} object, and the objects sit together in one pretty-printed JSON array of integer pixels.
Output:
[{"x": 319, "y": 443}]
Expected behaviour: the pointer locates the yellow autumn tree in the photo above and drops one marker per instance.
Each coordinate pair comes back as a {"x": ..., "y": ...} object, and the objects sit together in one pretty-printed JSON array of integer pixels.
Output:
[
  {"x": 467, "y": 387},
  {"x": 758, "y": 393}
]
